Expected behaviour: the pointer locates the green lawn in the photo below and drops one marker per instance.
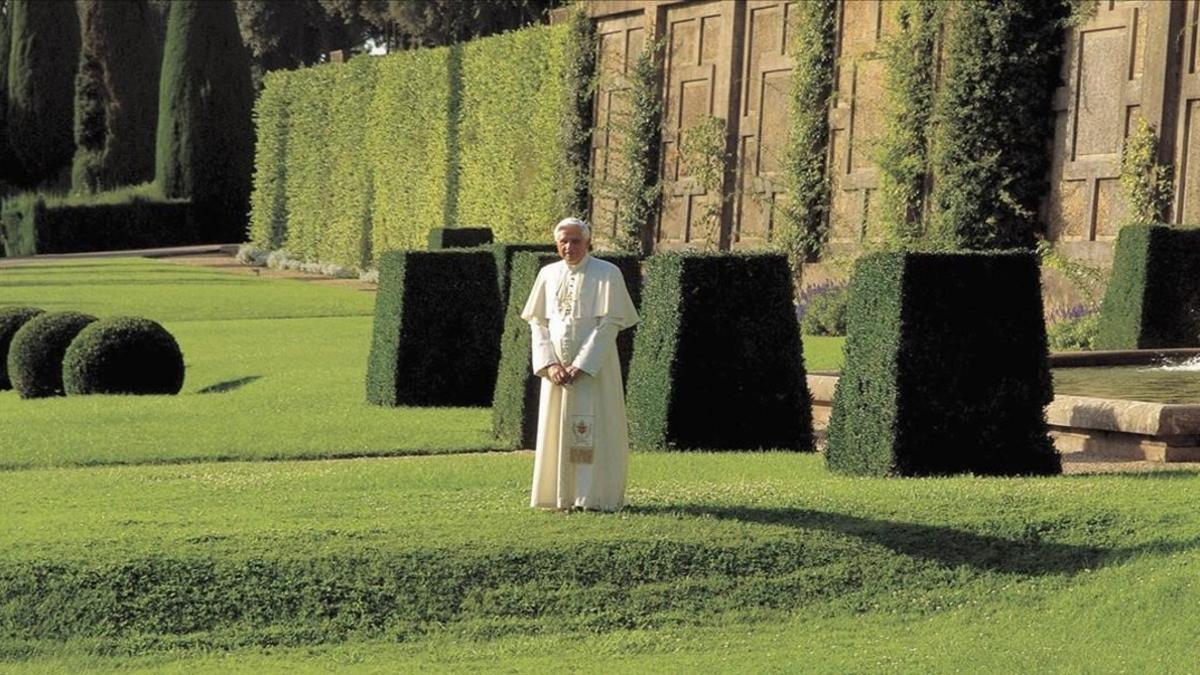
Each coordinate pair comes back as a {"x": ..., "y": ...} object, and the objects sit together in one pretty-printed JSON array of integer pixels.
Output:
[
  {"x": 731, "y": 561},
  {"x": 275, "y": 368}
]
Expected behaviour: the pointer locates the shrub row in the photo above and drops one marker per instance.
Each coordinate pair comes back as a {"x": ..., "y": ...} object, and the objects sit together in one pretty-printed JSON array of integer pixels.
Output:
[
  {"x": 52, "y": 354},
  {"x": 945, "y": 369},
  {"x": 1154, "y": 291},
  {"x": 177, "y": 599},
  {"x": 931, "y": 384},
  {"x": 31, "y": 224},
  {"x": 469, "y": 133},
  {"x": 515, "y": 402}
]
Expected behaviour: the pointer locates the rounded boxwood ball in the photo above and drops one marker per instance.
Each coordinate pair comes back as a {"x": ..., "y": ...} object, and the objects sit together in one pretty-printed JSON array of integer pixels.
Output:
[
  {"x": 35, "y": 357},
  {"x": 11, "y": 320},
  {"x": 123, "y": 355}
]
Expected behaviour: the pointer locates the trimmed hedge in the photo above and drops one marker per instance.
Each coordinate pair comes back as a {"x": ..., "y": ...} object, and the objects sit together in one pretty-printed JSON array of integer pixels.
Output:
[
  {"x": 510, "y": 141},
  {"x": 946, "y": 368},
  {"x": 459, "y": 237},
  {"x": 515, "y": 403},
  {"x": 718, "y": 363},
  {"x": 35, "y": 357},
  {"x": 268, "y": 194},
  {"x": 438, "y": 320},
  {"x": 196, "y": 599},
  {"x": 11, "y": 320},
  {"x": 463, "y": 134},
  {"x": 29, "y": 225},
  {"x": 123, "y": 355},
  {"x": 1153, "y": 296},
  {"x": 504, "y": 260}
]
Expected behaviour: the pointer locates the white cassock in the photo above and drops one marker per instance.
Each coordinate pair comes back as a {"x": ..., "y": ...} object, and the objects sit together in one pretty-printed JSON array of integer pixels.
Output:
[{"x": 582, "y": 457}]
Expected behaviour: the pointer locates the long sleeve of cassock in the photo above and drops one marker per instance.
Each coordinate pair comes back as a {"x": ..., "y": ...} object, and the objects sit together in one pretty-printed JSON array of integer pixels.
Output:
[
  {"x": 596, "y": 345},
  {"x": 543, "y": 348}
]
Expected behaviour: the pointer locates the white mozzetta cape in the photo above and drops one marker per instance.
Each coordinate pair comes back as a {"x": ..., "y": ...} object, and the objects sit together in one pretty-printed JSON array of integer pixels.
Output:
[{"x": 582, "y": 439}]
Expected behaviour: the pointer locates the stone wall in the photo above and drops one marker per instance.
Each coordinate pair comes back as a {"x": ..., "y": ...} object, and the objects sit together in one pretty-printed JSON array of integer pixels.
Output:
[{"x": 730, "y": 60}]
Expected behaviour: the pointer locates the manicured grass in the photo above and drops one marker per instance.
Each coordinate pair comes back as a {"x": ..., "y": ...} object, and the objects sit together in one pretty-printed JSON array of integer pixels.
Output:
[
  {"x": 254, "y": 388},
  {"x": 823, "y": 353},
  {"x": 767, "y": 553}
]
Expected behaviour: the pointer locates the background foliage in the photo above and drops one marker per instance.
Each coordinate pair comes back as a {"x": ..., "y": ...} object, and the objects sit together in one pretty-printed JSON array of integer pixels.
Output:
[
  {"x": 466, "y": 135},
  {"x": 116, "y": 95},
  {"x": 989, "y": 158}
]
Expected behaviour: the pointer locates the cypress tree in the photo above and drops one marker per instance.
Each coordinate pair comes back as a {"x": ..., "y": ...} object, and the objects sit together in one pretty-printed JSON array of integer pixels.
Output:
[
  {"x": 41, "y": 71},
  {"x": 994, "y": 118},
  {"x": 205, "y": 144},
  {"x": 9, "y": 173},
  {"x": 116, "y": 95}
]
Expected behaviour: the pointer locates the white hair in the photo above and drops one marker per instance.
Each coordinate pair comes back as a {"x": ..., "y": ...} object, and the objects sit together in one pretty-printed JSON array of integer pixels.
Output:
[{"x": 574, "y": 222}]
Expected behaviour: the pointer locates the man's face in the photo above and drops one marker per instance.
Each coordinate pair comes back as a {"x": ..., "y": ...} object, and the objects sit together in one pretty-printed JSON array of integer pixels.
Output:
[{"x": 572, "y": 245}]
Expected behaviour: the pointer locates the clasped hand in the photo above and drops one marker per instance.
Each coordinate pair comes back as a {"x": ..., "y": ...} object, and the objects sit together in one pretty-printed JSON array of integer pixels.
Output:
[{"x": 563, "y": 375}]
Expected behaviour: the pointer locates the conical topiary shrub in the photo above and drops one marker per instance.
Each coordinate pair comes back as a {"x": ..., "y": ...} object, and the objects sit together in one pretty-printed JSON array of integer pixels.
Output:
[{"x": 123, "y": 355}]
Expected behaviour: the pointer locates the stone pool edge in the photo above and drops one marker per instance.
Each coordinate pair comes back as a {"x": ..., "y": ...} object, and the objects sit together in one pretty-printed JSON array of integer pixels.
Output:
[{"x": 1101, "y": 427}]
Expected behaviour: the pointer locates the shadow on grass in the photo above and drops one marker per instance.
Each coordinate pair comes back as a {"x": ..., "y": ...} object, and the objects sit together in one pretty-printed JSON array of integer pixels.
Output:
[
  {"x": 943, "y": 545},
  {"x": 228, "y": 385}
]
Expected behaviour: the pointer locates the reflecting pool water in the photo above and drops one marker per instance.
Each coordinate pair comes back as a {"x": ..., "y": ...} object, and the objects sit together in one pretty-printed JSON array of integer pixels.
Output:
[{"x": 1168, "y": 383}]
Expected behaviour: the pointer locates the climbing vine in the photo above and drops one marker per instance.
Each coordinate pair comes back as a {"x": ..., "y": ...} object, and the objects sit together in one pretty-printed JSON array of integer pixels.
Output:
[
  {"x": 702, "y": 149},
  {"x": 1146, "y": 183},
  {"x": 903, "y": 152},
  {"x": 803, "y": 225},
  {"x": 638, "y": 185}
]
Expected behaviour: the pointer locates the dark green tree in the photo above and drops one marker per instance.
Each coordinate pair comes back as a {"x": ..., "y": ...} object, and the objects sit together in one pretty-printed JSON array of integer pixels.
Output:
[
  {"x": 9, "y": 166},
  {"x": 116, "y": 95},
  {"x": 431, "y": 23},
  {"x": 43, "y": 58},
  {"x": 993, "y": 120},
  {"x": 283, "y": 34},
  {"x": 205, "y": 148}
]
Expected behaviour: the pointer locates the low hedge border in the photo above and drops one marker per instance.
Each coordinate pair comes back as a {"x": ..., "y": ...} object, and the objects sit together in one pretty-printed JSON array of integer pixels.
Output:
[{"x": 30, "y": 226}]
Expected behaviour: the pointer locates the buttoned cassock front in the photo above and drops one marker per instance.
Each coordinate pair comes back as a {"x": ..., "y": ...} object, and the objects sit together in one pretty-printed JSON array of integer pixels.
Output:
[{"x": 575, "y": 313}]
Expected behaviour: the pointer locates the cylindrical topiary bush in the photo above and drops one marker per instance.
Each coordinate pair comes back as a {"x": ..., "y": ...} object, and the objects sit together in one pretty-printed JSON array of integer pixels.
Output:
[
  {"x": 11, "y": 320},
  {"x": 35, "y": 357},
  {"x": 123, "y": 355}
]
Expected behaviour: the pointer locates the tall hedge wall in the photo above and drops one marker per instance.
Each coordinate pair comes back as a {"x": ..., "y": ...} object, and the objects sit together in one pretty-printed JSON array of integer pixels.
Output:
[
  {"x": 438, "y": 320},
  {"x": 367, "y": 156},
  {"x": 515, "y": 402},
  {"x": 269, "y": 207},
  {"x": 717, "y": 362},
  {"x": 1153, "y": 297},
  {"x": 406, "y": 146},
  {"x": 946, "y": 368}
]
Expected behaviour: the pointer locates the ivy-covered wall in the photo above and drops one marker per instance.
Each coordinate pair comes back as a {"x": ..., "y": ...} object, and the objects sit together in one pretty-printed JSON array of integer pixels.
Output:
[{"x": 355, "y": 159}]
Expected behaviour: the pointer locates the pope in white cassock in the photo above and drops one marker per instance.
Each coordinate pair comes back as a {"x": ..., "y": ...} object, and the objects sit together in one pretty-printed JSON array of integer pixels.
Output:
[{"x": 576, "y": 308}]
